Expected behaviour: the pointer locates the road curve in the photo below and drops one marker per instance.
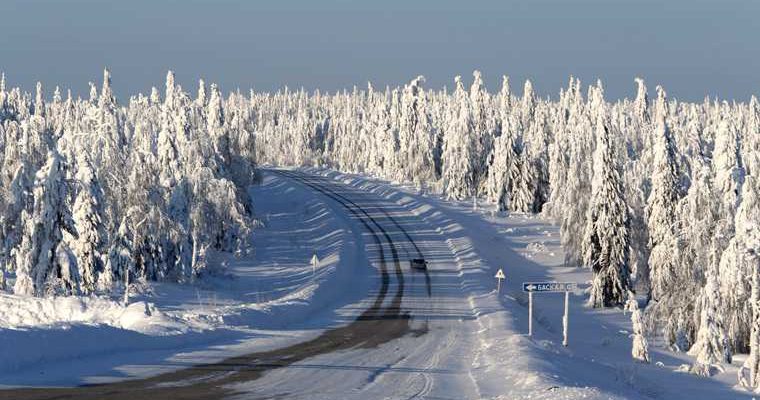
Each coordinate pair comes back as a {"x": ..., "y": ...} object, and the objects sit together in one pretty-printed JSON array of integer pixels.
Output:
[{"x": 376, "y": 325}]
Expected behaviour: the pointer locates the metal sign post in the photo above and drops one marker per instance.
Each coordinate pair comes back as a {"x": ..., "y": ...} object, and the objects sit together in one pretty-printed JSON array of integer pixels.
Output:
[
  {"x": 565, "y": 320},
  {"x": 530, "y": 314},
  {"x": 550, "y": 287}
]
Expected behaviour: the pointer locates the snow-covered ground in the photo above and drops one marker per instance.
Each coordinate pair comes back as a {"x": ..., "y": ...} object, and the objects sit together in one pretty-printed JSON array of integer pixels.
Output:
[
  {"x": 467, "y": 341},
  {"x": 597, "y": 362},
  {"x": 271, "y": 298}
]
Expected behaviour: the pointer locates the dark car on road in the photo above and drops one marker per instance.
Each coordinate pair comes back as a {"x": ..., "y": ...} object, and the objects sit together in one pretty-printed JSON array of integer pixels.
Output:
[{"x": 418, "y": 263}]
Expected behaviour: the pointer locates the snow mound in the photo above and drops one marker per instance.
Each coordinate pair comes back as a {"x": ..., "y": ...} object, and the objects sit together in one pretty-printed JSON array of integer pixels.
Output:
[
  {"x": 20, "y": 312},
  {"x": 536, "y": 247}
]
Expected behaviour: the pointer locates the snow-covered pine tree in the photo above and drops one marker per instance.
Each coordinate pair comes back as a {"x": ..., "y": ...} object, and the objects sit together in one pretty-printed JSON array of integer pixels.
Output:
[
  {"x": 416, "y": 136},
  {"x": 201, "y": 98},
  {"x": 520, "y": 178},
  {"x": 641, "y": 103},
  {"x": 737, "y": 268},
  {"x": 575, "y": 191},
  {"x": 482, "y": 129},
  {"x": 728, "y": 169},
  {"x": 120, "y": 261},
  {"x": 749, "y": 374},
  {"x": 537, "y": 156},
  {"x": 88, "y": 221},
  {"x": 498, "y": 187},
  {"x": 606, "y": 239},
  {"x": 460, "y": 148},
  {"x": 639, "y": 345},
  {"x": 39, "y": 101},
  {"x": 661, "y": 213},
  {"x": 711, "y": 347},
  {"x": 215, "y": 120},
  {"x": 43, "y": 261}
]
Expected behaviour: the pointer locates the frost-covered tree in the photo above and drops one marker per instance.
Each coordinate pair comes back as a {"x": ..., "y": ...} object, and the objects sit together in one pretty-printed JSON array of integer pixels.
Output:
[
  {"x": 711, "y": 347},
  {"x": 43, "y": 262},
  {"x": 639, "y": 345},
  {"x": 460, "y": 148},
  {"x": 749, "y": 374},
  {"x": 88, "y": 222},
  {"x": 641, "y": 103},
  {"x": 216, "y": 129},
  {"x": 415, "y": 136},
  {"x": 661, "y": 213},
  {"x": 729, "y": 171},
  {"x": 482, "y": 127},
  {"x": 737, "y": 267},
  {"x": 520, "y": 178},
  {"x": 606, "y": 237}
]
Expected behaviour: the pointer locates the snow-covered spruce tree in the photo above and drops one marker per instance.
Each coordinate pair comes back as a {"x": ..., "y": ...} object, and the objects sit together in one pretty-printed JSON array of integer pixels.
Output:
[
  {"x": 521, "y": 178},
  {"x": 699, "y": 259},
  {"x": 573, "y": 196},
  {"x": 749, "y": 373},
  {"x": 639, "y": 345},
  {"x": 711, "y": 347},
  {"x": 536, "y": 151},
  {"x": 460, "y": 148},
  {"x": 483, "y": 126},
  {"x": 18, "y": 200},
  {"x": 729, "y": 179},
  {"x": 416, "y": 143},
  {"x": 119, "y": 261},
  {"x": 88, "y": 222},
  {"x": 667, "y": 309},
  {"x": 606, "y": 238},
  {"x": 498, "y": 187},
  {"x": 737, "y": 268},
  {"x": 558, "y": 152},
  {"x": 751, "y": 139},
  {"x": 641, "y": 103},
  {"x": 728, "y": 169},
  {"x": 661, "y": 213},
  {"x": 43, "y": 262},
  {"x": 504, "y": 166},
  {"x": 216, "y": 129}
]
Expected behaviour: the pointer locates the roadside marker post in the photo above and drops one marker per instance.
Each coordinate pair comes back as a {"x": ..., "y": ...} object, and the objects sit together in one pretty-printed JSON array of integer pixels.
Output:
[
  {"x": 550, "y": 287},
  {"x": 565, "y": 320},
  {"x": 314, "y": 263},
  {"x": 499, "y": 276},
  {"x": 530, "y": 314}
]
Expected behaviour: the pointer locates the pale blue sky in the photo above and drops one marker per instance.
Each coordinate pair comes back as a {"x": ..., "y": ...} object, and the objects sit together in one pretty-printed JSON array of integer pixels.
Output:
[{"x": 692, "y": 47}]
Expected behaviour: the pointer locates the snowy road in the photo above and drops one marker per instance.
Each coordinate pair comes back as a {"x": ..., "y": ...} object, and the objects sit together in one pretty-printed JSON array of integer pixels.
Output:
[
  {"x": 414, "y": 340},
  {"x": 366, "y": 326}
]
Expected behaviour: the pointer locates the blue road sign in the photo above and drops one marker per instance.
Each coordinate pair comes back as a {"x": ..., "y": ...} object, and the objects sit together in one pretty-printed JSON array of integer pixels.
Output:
[{"x": 549, "y": 286}]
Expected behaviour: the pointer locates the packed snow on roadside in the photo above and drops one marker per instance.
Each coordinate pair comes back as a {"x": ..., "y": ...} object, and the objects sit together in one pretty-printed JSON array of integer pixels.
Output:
[{"x": 20, "y": 313}]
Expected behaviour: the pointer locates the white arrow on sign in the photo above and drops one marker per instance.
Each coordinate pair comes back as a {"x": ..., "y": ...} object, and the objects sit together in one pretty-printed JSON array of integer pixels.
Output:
[{"x": 499, "y": 276}]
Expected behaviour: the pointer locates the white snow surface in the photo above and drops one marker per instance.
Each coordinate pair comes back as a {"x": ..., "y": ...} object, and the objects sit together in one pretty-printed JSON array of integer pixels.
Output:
[
  {"x": 270, "y": 298},
  {"x": 471, "y": 342}
]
